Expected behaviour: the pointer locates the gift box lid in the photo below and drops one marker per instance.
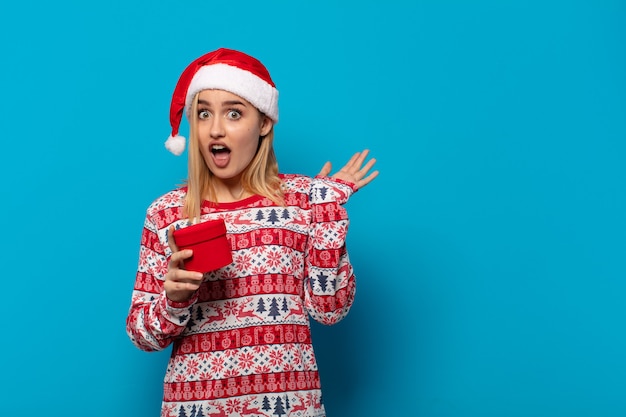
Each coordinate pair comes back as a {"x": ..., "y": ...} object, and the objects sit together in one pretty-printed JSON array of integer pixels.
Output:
[{"x": 199, "y": 232}]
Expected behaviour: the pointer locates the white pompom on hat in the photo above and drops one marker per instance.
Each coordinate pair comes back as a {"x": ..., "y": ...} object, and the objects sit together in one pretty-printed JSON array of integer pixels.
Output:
[{"x": 222, "y": 69}]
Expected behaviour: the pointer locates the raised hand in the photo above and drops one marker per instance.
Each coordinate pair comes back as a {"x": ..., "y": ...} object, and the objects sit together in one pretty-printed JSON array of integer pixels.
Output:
[{"x": 354, "y": 171}]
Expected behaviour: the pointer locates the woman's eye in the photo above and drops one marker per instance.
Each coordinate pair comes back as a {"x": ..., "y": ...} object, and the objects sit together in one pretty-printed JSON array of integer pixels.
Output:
[
  {"x": 233, "y": 114},
  {"x": 203, "y": 114}
]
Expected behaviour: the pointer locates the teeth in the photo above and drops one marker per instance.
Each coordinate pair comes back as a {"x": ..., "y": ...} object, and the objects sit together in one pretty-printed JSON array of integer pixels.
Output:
[{"x": 218, "y": 147}]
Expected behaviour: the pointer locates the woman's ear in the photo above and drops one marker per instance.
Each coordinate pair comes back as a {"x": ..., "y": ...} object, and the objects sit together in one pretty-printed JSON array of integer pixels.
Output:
[{"x": 266, "y": 125}]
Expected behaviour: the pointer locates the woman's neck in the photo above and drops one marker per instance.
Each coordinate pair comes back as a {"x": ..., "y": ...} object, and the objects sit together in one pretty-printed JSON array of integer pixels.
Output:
[{"x": 229, "y": 191}]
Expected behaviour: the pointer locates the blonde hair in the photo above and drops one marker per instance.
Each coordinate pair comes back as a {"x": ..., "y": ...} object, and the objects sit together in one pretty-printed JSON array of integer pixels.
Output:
[{"x": 260, "y": 176}]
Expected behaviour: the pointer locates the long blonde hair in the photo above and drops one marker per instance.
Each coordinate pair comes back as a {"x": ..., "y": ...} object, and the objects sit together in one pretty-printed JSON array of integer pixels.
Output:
[{"x": 260, "y": 176}]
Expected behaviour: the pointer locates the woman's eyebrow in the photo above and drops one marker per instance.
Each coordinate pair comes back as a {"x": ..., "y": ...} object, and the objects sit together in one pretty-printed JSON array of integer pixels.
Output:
[
  {"x": 225, "y": 103},
  {"x": 233, "y": 103}
]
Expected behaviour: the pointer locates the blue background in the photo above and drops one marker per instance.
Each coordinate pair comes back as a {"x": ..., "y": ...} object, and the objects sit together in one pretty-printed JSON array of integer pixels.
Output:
[{"x": 490, "y": 252}]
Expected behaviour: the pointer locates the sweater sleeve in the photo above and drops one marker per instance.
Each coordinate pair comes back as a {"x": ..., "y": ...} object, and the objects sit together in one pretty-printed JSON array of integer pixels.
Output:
[
  {"x": 330, "y": 284},
  {"x": 154, "y": 321}
]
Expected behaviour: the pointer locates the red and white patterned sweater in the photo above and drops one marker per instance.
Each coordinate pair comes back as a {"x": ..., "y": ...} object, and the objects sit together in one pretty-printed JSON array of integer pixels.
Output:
[{"x": 242, "y": 345}]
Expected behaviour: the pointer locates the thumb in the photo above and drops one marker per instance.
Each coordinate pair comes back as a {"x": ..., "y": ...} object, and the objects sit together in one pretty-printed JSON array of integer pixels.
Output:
[
  {"x": 170, "y": 239},
  {"x": 325, "y": 169}
]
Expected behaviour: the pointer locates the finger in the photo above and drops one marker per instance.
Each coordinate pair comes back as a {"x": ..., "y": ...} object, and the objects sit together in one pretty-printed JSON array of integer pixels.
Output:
[
  {"x": 356, "y": 163},
  {"x": 170, "y": 239},
  {"x": 362, "y": 183},
  {"x": 352, "y": 162},
  {"x": 183, "y": 276},
  {"x": 178, "y": 257},
  {"x": 180, "y": 286},
  {"x": 358, "y": 159},
  {"x": 358, "y": 174},
  {"x": 180, "y": 291},
  {"x": 325, "y": 169},
  {"x": 363, "y": 171},
  {"x": 362, "y": 156}
]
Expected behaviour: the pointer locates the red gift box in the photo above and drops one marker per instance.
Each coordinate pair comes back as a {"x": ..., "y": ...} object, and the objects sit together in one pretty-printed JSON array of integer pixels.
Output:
[{"x": 211, "y": 249}]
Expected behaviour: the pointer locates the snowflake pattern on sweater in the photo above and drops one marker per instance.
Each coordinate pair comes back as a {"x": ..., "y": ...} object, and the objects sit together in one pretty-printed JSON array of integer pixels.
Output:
[{"x": 241, "y": 346}]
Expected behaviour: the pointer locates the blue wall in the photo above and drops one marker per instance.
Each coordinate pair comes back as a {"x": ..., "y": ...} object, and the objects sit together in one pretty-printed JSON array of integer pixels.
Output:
[{"x": 490, "y": 252}]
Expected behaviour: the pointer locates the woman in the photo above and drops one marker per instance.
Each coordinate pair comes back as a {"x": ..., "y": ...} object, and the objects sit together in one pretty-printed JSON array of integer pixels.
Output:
[{"x": 240, "y": 336}]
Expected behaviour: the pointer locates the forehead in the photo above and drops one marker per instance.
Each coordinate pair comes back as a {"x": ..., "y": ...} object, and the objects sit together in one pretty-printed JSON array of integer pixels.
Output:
[{"x": 217, "y": 97}]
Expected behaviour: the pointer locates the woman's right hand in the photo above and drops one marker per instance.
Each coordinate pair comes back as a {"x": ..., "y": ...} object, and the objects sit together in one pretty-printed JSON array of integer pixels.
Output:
[{"x": 180, "y": 284}]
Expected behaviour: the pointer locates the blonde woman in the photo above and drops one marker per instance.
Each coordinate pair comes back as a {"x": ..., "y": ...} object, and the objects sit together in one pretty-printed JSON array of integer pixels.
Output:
[{"x": 240, "y": 335}]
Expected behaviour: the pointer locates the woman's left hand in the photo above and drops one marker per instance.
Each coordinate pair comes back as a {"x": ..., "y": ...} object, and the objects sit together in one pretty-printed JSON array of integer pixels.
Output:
[{"x": 353, "y": 171}]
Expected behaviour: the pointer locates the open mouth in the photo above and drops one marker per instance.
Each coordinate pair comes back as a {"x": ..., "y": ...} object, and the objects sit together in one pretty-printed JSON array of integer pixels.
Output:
[
  {"x": 219, "y": 150},
  {"x": 220, "y": 155}
]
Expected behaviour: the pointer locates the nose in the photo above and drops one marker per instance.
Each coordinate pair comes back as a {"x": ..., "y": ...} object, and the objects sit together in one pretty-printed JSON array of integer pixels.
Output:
[{"x": 217, "y": 127}]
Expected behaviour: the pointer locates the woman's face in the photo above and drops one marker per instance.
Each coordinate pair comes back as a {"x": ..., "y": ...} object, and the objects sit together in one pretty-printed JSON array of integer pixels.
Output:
[{"x": 229, "y": 129}]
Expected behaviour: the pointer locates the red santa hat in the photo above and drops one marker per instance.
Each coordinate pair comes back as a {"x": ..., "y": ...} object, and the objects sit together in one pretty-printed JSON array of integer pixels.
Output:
[{"x": 223, "y": 69}]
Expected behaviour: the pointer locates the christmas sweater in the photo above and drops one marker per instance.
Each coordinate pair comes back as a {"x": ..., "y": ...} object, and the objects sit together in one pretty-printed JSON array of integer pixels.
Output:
[{"x": 241, "y": 346}]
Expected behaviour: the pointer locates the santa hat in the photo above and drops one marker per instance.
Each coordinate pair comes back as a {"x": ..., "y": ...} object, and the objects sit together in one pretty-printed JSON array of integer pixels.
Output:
[{"x": 223, "y": 69}]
